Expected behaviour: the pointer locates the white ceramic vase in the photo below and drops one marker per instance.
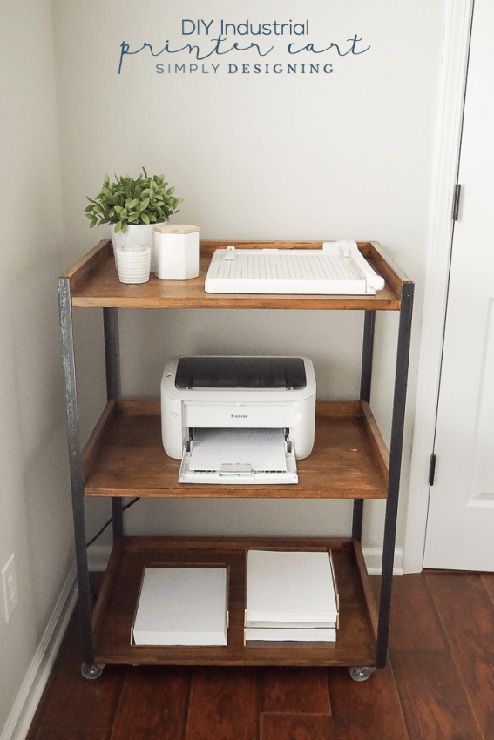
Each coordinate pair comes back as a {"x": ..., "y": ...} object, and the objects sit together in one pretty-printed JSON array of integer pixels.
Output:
[{"x": 136, "y": 234}]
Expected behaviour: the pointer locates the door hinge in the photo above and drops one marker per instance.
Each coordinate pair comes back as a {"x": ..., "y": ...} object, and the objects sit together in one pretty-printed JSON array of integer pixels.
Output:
[
  {"x": 456, "y": 202},
  {"x": 432, "y": 469}
]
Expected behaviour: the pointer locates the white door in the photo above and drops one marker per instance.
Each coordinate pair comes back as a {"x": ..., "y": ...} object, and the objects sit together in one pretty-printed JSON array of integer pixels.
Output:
[{"x": 460, "y": 527}]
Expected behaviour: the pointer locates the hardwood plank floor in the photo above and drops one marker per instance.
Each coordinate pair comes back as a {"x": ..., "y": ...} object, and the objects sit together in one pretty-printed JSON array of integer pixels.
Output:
[
  {"x": 282, "y": 691},
  {"x": 434, "y": 701},
  {"x": 275, "y": 726},
  {"x": 223, "y": 704},
  {"x": 439, "y": 683},
  {"x": 367, "y": 710},
  {"x": 467, "y": 617},
  {"x": 488, "y": 582},
  {"x": 153, "y": 704}
]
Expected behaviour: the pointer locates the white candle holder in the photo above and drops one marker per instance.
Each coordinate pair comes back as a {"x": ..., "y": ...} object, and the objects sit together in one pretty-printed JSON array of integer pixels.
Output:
[
  {"x": 176, "y": 252},
  {"x": 133, "y": 263}
]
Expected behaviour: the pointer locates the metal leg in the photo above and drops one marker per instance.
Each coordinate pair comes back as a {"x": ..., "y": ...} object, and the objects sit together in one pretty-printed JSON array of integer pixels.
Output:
[
  {"x": 367, "y": 355},
  {"x": 76, "y": 470},
  {"x": 395, "y": 453},
  {"x": 365, "y": 387},
  {"x": 358, "y": 513},
  {"x": 112, "y": 367}
]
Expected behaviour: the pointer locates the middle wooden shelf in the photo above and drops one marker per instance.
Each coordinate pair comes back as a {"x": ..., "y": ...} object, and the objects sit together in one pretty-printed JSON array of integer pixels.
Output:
[{"x": 125, "y": 457}]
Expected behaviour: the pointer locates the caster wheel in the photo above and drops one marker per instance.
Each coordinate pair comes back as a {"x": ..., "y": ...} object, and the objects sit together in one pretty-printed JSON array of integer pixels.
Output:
[
  {"x": 90, "y": 671},
  {"x": 360, "y": 674}
]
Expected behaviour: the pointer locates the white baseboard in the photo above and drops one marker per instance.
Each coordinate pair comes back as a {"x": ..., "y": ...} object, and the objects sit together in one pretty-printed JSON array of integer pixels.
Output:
[
  {"x": 98, "y": 557},
  {"x": 21, "y": 715},
  {"x": 373, "y": 555}
]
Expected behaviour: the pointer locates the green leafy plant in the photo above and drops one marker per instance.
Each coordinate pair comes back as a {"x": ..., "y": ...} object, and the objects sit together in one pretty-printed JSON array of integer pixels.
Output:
[{"x": 145, "y": 200}]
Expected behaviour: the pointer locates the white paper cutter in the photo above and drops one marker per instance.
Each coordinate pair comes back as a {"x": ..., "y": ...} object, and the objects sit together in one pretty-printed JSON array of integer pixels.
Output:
[{"x": 337, "y": 268}]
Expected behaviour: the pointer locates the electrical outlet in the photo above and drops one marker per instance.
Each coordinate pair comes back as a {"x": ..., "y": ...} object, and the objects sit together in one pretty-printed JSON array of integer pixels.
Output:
[{"x": 9, "y": 586}]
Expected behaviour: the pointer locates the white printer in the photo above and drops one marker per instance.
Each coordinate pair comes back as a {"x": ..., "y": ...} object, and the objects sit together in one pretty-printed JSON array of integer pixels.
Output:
[{"x": 235, "y": 419}]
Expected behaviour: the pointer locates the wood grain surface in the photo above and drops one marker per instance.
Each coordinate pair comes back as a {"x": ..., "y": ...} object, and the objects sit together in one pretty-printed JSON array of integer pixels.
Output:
[
  {"x": 281, "y": 691},
  {"x": 125, "y": 457},
  {"x": 425, "y": 693},
  {"x": 153, "y": 704},
  {"x": 287, "y": 726},
  {"x": 374, "y": 712},
  {"x": 114, "y": 613},
  {"x": 466, "y": 615},
  {"x": 223, "y": 705},
  {"x": 94, "y": 283}
]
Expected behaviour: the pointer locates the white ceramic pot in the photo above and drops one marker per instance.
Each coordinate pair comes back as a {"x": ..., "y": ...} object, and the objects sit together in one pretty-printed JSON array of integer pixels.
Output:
[
  {"x": 176, "y": 250},
  {"x": 133, "y": 263},
  {"x": 136, "y": 234}
]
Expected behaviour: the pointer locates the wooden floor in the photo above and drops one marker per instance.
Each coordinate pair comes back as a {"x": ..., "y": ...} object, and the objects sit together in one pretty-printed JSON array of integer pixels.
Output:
[{"x": 439, "y": 683}]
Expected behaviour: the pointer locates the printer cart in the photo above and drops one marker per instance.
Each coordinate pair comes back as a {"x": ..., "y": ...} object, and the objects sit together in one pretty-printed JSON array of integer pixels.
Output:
[{"x": 124, "y": 457}]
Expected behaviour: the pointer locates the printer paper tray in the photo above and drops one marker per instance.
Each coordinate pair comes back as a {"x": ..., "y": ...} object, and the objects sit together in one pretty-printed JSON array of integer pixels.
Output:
[{"x": 238, "y": 456}]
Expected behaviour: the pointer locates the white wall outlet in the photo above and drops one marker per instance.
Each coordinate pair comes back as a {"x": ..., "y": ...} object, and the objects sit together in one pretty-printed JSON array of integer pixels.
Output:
[{"x": 9, "y": 587}]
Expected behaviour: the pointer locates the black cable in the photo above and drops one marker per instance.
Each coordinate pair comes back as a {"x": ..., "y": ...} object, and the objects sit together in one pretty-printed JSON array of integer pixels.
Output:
[{"x": 110, "y": 520}]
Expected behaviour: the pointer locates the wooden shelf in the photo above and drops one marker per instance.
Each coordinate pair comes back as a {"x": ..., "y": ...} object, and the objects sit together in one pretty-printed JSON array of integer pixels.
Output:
[
  {"x": 125, "y": 457},
  {"x": 117, "y": 602},
  {"x": 94, "y": 283}
]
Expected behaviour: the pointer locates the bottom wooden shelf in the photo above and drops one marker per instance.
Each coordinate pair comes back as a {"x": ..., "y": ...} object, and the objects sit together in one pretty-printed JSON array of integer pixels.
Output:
[{"x": 113, "y": 615}]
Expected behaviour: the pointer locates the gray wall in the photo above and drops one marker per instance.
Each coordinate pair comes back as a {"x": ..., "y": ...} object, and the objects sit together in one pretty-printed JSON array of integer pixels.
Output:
[
  {"x": 35, "y": 521},
  {"x": 341, "y": 155}
]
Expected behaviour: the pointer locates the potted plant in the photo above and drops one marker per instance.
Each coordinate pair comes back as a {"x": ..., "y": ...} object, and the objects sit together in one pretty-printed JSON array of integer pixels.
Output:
[{"x": 133, "y": 207}]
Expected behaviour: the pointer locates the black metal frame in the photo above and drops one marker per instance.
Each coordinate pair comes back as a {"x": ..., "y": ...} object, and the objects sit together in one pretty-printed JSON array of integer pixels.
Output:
[
  {"x": 110, "y": 318},
  {"x": 365, "y": 388},
  {"x": 76, "y": 468},
  {"x": 112, "y": 367},
  {"x": 395, "y": 455}
]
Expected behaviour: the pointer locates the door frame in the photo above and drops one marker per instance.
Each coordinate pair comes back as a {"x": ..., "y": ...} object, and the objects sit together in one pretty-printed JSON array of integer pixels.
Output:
[{"x": 451, "y": 98}]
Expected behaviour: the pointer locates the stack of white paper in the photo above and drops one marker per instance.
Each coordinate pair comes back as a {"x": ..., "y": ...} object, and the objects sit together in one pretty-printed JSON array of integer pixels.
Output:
[
  {"x": 291, "y": 596},
  {"x": 182, "y": 606}
]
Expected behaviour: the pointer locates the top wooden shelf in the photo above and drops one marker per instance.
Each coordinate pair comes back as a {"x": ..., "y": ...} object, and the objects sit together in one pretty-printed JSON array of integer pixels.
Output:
[{"x": 94, "y": 283}]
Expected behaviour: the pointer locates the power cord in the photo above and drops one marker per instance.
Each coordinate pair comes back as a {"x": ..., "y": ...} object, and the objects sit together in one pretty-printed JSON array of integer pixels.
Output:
[{"x": 110, "y": 520}]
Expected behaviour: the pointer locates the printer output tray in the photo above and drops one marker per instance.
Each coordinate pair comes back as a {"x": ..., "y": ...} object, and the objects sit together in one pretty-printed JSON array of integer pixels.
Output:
[{"x": 236, "y": 456}]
